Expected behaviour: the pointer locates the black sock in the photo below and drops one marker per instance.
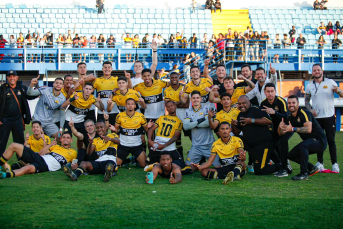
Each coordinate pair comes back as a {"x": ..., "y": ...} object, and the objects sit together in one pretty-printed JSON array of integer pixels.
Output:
[
  {"x": 79, "y": 171},
  {"x": 237, "y": 170},
  {"x": 17, "y": 165},
  {"x": 3, "y": 160},
  {"x": 10, "y": 174}
]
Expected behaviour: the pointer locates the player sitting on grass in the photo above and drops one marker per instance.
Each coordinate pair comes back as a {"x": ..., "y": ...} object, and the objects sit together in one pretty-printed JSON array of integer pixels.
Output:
[
  {"x": 231, "y": 155},
  {"x": 167, "y": 169},
  {"x": 50, "y": 158},
  {"x": 106, "y": 148}
]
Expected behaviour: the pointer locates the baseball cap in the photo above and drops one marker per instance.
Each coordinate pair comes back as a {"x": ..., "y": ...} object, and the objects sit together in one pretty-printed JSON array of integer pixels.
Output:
[{"x": 11, "y": 72}]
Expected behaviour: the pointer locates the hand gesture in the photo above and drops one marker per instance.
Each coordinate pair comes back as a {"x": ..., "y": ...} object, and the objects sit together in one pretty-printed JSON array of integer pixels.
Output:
[
  {"x": 150, "y": 124},
  {"x": 76, "y": 96},
  {"x": 34, "y": 81},
  {"x": 74, "y": 166},
  {"x": 241, "y": 77},
  {"x": 211, "y": 113},
  {"x": 335, "y": 89},
  {"x": 272, "y": 70},
  {"x": 172, "y": 179},
  {"x": 42, "y": 135},
  {"x": 98, "y": 99},
  {"x": 268, "y": 110},
  {"x": 90, "y": 140},
  {"x": 234, "y": 122},
  {"x": 109, "y": 102},
  {"x": 181, "y": 93},
  {"x": 242, "y": 155},
  {"x": 115, "y": 90},
  {"x": 54, "y": 142},
  {"x": 112, "y": 128},
  {"x": 245, "y": 121},
  {"x": 147, "y": 180},
  {"x": 140, "y": 100},
  {"x": 159, "y": 147},
  {"x": 82, "y": 81},
  {"x": 106, "y": 139},
  {"x": 153, "y": 45},
  {"x": 106, "y": 116},
  {"x": 27, "y": 136},
  {"x": 196, "y": 166},
  {"x": 314, "y": 113},
  {"x": 71, "y": 123},
  {"x": 127, "y": 74},
  {"x": 207, "y": 62}
]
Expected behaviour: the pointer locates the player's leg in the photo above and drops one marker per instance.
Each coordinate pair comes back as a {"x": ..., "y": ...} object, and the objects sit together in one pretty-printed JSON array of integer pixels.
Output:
[
  {"x": 51, "y": 130},
  {"x": 27, "y": 169},
  {"x": 330, "y": 131},
  {"x": 185, "y": 169},
  {"x": 261, "y": 156},
  {"x": 74, "y": 175},
  {"x": 140, "y": 155},
  {"x": 194, "y": 156},
  {"x": 104, "y": 167},
  {"x": 122, "y": 154},
  {"x": 18, "y": 132},
  {"x": 14, "y": 147}
]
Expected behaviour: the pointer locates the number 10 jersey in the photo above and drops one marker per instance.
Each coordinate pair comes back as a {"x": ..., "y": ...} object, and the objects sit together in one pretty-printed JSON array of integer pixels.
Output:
[{"x": 167, "y": 125}]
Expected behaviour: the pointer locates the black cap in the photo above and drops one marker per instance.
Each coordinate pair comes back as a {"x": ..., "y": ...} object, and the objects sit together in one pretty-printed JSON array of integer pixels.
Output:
[{"x": 11, "y": 72}]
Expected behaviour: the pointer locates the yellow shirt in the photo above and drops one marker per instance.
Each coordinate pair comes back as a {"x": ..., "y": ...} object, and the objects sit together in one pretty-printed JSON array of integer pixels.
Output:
[
  {"x": 120, "y": 99},
  {"x": 223, "y": 116},
  {"x": 172, "y": 94},
  {"x": 102, "y": 147},
  {"x": 105, "y": 86},
  {"x": 37, "y": 145},
  {"x": 135, "y": 42},
  {"x": 167, "y": 126},
  {"x": 64, "y": 92},
  {"x": 128, "y": 39},
  {"x": 67, "y": 154},
  {"x": 204, "y": 82},
  {"x": 227, "y": 153}
]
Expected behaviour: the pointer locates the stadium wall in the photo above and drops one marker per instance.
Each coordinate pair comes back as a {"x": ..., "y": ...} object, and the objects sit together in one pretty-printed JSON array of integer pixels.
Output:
[{"x": 166, "y": 4}]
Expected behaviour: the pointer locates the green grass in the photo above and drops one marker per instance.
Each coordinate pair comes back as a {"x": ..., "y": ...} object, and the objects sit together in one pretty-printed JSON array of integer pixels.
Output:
[{"x": 51, "y": 200}]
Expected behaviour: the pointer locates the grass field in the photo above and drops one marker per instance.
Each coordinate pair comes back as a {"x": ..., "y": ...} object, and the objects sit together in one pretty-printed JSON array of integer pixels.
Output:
[{"x": 51, "y": 200}]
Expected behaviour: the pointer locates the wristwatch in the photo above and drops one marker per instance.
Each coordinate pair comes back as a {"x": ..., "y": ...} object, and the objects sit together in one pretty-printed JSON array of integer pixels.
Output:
[{"x": 253, "y": 120}]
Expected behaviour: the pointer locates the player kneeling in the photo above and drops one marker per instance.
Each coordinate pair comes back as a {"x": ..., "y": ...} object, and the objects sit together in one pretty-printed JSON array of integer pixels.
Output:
[
  {"x": 230, "y": 151},
  {"x": 106, "y": 148},
  {"x": 168, "y": 169},
  {"x": 50, "y": 158}
]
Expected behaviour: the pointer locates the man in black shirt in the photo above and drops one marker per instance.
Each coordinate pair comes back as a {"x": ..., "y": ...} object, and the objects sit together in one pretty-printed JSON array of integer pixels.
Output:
[
  {"x": 276, "y": 107},
  {"x": 14, "y": 111},
  {"x": 292, "y": 33},
  {"x": 257, "y": 138},
  {"x": 301, "y": 41},
  {"x": 335, "y": 45},
  {"x": 247, "y": 73},
  {"x": 314, "y": 140}
]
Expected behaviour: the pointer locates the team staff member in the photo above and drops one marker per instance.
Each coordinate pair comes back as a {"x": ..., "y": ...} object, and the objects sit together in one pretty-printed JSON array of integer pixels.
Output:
[
  {"x": 247, "y": 73},
  {"x": 50, "y": 100},
  {"x": 277, "y": 109},
  {"x": 50, "y": 158},
  {"x": 322, "y": 91},
  {"x": 105, "y": 146},
  {"x": 104, "y": 86},
  {"x": 120, "y": 96},
  {"x": 14, "y": 110},
  {"x": 130, "y": 125},
  {"x": 314, "y": 140},
  {"x": 230, "y": 150},
  {"x": 256, "y": 135}
]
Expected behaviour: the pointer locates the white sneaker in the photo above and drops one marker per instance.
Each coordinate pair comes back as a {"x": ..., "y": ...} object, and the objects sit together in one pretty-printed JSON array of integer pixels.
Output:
[
  {"x": 335, "y": 168},
  {"x": 320, "y": 166}
]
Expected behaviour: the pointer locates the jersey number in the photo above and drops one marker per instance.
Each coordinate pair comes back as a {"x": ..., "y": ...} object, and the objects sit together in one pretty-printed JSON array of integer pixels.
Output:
[{"x": 166, "y": 129}]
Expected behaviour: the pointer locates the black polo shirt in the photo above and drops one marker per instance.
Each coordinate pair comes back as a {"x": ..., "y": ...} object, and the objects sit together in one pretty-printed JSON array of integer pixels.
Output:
[
  {"x": 220, "y": 91},
  {"x": 281, "y": 111},
  {"x": 254, "y": 100},
  {"x": 12, "y": 111},
  {"x": 303, "y": 116},
  {"x": 254, "y": 134}
]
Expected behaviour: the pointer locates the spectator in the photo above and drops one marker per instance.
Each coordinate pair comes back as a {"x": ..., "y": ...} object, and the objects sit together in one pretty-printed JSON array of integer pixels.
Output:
[
  {"x": 209, "y": 4},
  {"x": 69, "y": 44},
  {"x": 322, "y": 29},
  {"x": 175, "y": 68},
  {"x": 255, "y": 44},
  {"x": 247, "y": 47},
  {"x": 209, "y": 51},
  {"x": 35, "y": 40},
  {"x": 2, "y": 45},
  {"x": 220, "y": 46},
  {"x": 12, "y": 41},
  {"x": 301, "y": 41},
  {"x": 160, "y": 41},
  {"x": 135, "y": 43},
  {"x": 337, "y": 27},
  {"x": 187, "y": 66},
  {"x": 217, "y": 5},
  {"x": 194, "y": 6},
  {"x": 84, "y": 44},
  {"x": 335, "y": 45},
  {"x": 250, "y": 34},
  {"x": 100, "y": 5},
  {"x": 92, "y": 45},
  {"x": 60, "y": 43},
  {"x": 42, "y": 44},
  {"x": 321, "y": 42},
  {"x": 127, "y": 44},
  {"x": 20, "y": 43},
  {"x": 247, "y": 31},
  {"x": 154, "y": 38},
  {"x": 230, "y": 47},
  {"x": 329, "y": 28},
  {"x": 193, "y": 41},
  {"x": 214, "y": 39},
  {"x": 277, "y": 45},
  {"x": 50, "y": 44},
  {"x": 286, "y": 43},
  {"x": 204, "y": 41},
  {"x": 317, "y": 5},
  {"x": 178, "y": 37},
  {"x": 28, "y": 44},
  {"x": 76, "y": 41},
  {"x": 111, "y": 43},
  {"x": 172, "y": 43},
  {"x": 323, "y": 4},
  {"x": 146, "y": 40},
  {"x": 262, "y": 45},
  {"x": 183, "y": 43},
  {"x": 101, "y": 44},
  {"x": 292, "y": 33}
]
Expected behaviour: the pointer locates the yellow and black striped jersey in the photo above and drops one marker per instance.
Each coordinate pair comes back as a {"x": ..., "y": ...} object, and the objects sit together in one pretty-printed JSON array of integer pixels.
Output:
[
  {"x": 204, "y": 83},
  {"x": 102, "y": 147},
  {"x": 223, "y": 116},
  {"x": 228, "y": 153},
  {"x": 131, "y": 128},
  {"x": 120, "y": 99},
  {"x": 64, "y": 92},
  {"x": 37, "y": 144},
  {"x": 172, "y": 94},
  {"x": 153, "y": 98},
  {"x": 79, "y": 88},
  {"x": 63, "y": 155},
  {"x": 105, "y": 87},
  {"x": 167, "y": 126},
  {"x": 239, "y": 91},
  {"x": 79, "y": 108},
  {"x": 128, "y": 39}
]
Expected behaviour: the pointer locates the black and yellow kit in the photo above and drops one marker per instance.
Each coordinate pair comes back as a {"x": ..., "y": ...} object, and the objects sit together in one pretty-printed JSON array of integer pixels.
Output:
[
  {"x": 120, "y": 99},
  {"x": 204, "y": 83},
  {"x": 79, "y": 108},
  {"x": 37, "y": 144}
]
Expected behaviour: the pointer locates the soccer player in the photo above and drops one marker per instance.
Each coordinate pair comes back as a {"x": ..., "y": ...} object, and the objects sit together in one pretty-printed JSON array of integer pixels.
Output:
[
  {"x": 50, "y": 158},
  {"x": 256, "y": 135},
  {"x": 105, "y": 146},
  {"x": 130, "y": 125},
  {"x": 50, "y": 100},
  {"x": 227, "y": 114},
  {"x": 322, "y": 91},
  {"x": 230, "y": 150},
  {"x": 247, "y": 73},
  {"x": 202, "y": 135},
  {"x": 277, "y": 109},
  {"x": 313, "y": 136},
  {"x": 68, "y": 87},
  {"x": 121, "y": 95},
  {"x": 104, "y": 86},
  {"x": 80, "y": 103}
]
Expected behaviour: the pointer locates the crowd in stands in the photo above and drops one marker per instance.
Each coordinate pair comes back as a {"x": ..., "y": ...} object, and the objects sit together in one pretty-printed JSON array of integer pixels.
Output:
[
  {"x": 317, "y": 5},
  {"x": 213, "y": 5}
]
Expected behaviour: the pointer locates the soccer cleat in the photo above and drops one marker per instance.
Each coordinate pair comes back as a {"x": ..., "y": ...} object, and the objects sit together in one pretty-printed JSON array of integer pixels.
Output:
[
  {"x": 108, "y": 172},
  {"x": 335, "y": 168},
  {"x": 237, "y": 178},
  {"x": 320, "y": 166},
  {"x": 115, "y": 171},
  {"x": 69, "y": 173},
  {"x": 251, "y": 168},
  {"x": 314, "y": 170},
  {"x": 229, "y": 178},
  {"x": 148, "y": 168},
  {"x": 300, "y": 177},
  {"x": 2, "y": 175},
  {"x": 282, "y": 173},
  {"x": 289, "y": 167},
  {"x": 7, "y": 168}
]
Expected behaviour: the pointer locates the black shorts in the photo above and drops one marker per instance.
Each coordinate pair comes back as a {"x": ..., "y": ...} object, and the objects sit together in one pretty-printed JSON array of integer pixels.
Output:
[
  {"x": 29, "y": 156},
  {"x": 112, "y": 118},
  {"x": 99, "y": 166},
  {"x": 154, "y": 156},
  {"x": 91, "y": 115},
  {"x": 223, "y": 171},
  {"x": 80, "y": 127},
  {"x": 124, "y": 151},
  {"x": 185, "y": 169}
]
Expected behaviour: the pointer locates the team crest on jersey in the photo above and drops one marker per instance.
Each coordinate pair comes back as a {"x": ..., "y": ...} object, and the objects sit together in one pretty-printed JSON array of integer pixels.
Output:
[
  {"x": 19, "y": 93},
  {"x": 325, "y": 87},
  {"x": 201, "y": 113},
  {"x": 8, "y": 94},
  {"x": 298, "y": 119},
  {"x": 276, "y": 108},
  {"x": 56, "y": 101}
]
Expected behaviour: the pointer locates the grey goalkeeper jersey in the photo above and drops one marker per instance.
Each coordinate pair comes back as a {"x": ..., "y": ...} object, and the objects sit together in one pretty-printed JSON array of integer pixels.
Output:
[{"x": 201, "y": 133}]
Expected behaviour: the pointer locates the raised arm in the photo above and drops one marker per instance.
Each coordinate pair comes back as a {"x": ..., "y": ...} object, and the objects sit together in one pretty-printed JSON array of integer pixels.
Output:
[
  {"x": 153, "y": 66},
  {"x": 30, "y": 90},
  {"x": 45, "y": 149},
  {"x": 74, "y": 130},
  {"x": 206, "y": 71},
  {"x": 250, "y": 84},
  {"x": 98, "y": 103}
]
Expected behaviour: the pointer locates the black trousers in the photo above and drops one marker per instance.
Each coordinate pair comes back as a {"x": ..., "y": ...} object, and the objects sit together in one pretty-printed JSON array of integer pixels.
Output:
[
  {"x": 17, "y": 128},
  {"x": 261, "y": 155},
  {"x": 301, "y": 152},
  {"x": 112, "y": 118},
  {"x": 329, "y": 126},
  {"x": 101, "y": 7},
  {"x": 280, "y": 144}
]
